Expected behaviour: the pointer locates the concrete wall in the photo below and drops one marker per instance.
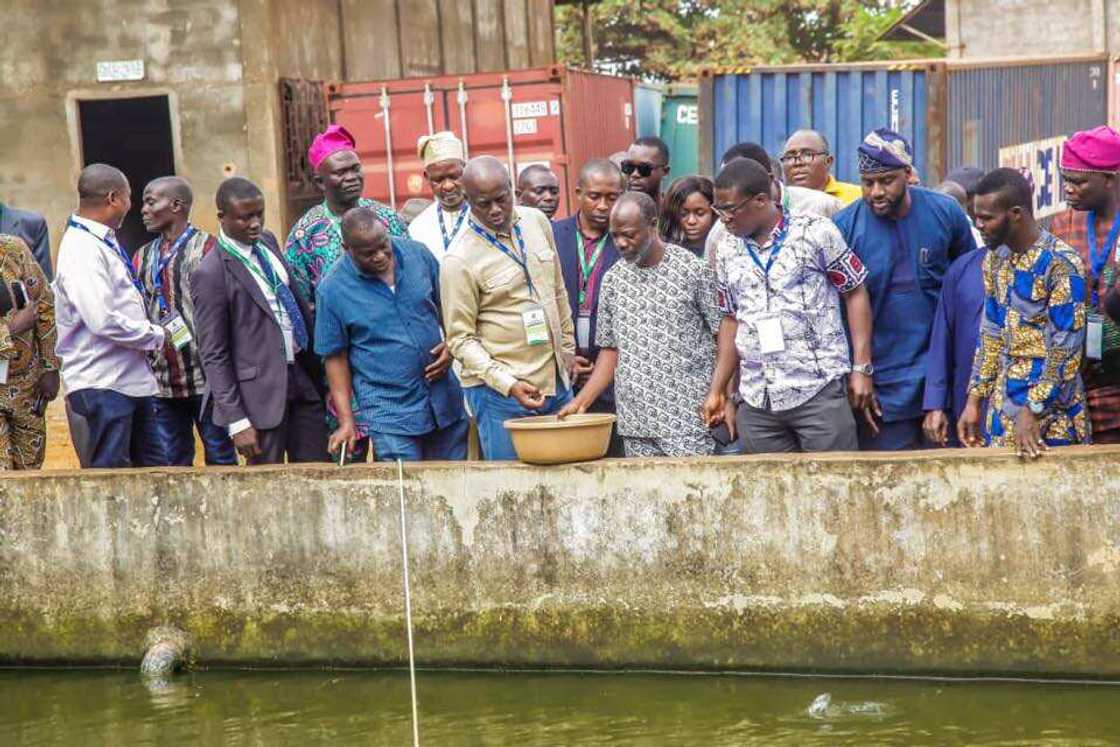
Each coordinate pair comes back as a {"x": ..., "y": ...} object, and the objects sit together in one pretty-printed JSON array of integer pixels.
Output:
[
  {"x": 931, "y": 563},
  {"x": 1010, "y": 28}
]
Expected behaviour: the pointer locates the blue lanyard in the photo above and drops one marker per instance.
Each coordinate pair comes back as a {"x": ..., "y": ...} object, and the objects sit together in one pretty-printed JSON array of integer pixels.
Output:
[
  {"x": 775, "y": 247},
  {"x": 455, "y": 229},
  {"x": 112, "y": 244},
  {"x": 1098, "y": 259},
  {"x": 160, "y": 263},
  {"x": 521, "y": 261}
]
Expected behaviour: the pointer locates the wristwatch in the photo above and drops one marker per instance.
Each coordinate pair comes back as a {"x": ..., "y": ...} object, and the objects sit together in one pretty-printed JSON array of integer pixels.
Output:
[
  {"x": 866, "y": 369},
  {"x": 1036, "y": 407}
]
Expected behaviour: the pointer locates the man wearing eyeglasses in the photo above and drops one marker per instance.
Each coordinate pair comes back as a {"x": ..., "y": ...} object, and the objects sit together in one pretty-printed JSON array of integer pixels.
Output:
[
  {"x": 646, "y": 165},
  {"x": 807, "y": 163}
]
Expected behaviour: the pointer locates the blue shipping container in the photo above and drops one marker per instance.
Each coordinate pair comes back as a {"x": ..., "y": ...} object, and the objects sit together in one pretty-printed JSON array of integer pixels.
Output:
[
  {"x": 648, "y": 98},
  {"x": 843, "y": 102}
]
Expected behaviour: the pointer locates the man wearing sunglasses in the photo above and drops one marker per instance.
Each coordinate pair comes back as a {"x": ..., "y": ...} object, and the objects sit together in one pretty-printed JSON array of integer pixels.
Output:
[{"x": 646, "y": 165}]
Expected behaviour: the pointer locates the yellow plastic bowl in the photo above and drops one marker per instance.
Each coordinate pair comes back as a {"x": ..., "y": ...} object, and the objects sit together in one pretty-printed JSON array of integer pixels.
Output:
[{"x": 545, "y": 439}]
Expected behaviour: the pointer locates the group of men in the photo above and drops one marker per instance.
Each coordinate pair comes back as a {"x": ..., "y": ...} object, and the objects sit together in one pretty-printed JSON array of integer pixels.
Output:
[{"x": 822, "y": 316}]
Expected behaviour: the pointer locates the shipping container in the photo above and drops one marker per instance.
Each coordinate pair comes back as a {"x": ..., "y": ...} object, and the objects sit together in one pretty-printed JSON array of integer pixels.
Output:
[
  {"x": 984, "y": 113},
  {"x": 648, "y": 98},
  {"x": 554, "y": 116},
  {"x": 680, "y": 127}
]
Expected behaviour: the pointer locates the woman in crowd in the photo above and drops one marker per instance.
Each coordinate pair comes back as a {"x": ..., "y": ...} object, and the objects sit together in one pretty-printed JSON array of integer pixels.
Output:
[{"x": 686, "y": 213}]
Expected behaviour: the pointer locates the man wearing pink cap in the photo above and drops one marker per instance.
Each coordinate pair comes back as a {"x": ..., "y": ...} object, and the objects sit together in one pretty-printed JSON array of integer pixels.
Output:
[
  {"x": 1091, "y": 173},
  {"x": 316, "y": 239}
]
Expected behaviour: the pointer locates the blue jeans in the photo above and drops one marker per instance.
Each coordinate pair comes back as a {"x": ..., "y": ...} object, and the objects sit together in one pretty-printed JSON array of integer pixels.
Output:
[
  {"x": 177, "y": 418},
  {"x": 443, "y": 444},
  {"x": 121, "y": 431},
  {"x": 492, "y": 409}
]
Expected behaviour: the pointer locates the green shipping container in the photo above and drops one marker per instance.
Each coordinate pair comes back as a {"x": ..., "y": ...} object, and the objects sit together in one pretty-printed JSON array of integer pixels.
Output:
[{"x": 680, "y": 129}]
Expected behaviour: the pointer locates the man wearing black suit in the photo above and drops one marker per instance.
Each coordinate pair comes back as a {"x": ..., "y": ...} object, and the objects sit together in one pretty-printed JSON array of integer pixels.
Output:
[
  {"x": 32, "y": 228},
  {"x": 254, "y": 338},
  {"x": 587, "y": 251}
]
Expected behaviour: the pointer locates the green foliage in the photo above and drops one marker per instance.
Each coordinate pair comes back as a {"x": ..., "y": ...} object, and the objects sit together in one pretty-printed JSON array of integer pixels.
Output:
[{"x": 672, "y": 39}]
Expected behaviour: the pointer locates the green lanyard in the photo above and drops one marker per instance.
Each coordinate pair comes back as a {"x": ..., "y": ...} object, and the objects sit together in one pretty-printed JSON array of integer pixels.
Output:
[
  {"x": 253, "y": 267},
  {"x": 587, "y": 267}
]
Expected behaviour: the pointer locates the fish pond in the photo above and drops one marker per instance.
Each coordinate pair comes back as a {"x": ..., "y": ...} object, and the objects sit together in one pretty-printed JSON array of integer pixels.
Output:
[{"x": 350, "y": 707}]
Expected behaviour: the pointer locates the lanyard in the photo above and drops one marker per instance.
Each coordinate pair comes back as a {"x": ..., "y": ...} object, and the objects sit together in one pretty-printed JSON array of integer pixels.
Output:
[
  {"x": 112, "y": 244},
  {"x": 1098, "y": 259},
  {"x": 521, "y": 261},
  {"x": 586, "y": 266},
  {"x": 776, "y": 244},
  {"x": 254, "y": 267},
  {"x": 161, "y": 262},
  {"x": 454, "y": 230}
]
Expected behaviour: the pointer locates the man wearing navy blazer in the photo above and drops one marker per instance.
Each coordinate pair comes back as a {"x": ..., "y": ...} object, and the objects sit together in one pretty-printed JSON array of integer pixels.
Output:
[
  {"x": 586, "y": 251},
  {"x": 32, "y": 228}
]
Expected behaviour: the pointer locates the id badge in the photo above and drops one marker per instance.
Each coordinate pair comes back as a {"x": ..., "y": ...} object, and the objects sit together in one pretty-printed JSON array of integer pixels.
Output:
[
  {"x": 583, "y": 332},
  {"x": 289, "y": 346},
  {"x": 770, "y": 338},
  {"x": 536, "y": 328},
  {"x": 3, "y": 370},
  {"x": 1094, "y": 336},
  {"x": 177, "y": 328}
]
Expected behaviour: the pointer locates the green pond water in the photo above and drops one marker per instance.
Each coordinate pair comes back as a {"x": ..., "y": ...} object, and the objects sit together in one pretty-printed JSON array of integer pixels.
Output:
[{"x": 116, "y": 707}]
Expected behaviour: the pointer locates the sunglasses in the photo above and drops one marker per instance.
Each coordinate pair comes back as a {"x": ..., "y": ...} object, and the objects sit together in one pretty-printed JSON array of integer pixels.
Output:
[{"x": 643, "y": 169}]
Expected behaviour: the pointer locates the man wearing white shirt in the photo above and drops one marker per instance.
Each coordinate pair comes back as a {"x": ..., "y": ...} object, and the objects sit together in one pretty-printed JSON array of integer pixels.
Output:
[
  {"x": 104, "y": 335},
  {"x": 439, "y": 224},
  {"x": 255, "y": 338}
]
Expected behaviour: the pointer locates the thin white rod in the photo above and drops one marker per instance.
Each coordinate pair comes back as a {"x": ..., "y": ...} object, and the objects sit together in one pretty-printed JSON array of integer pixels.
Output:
[{"x": 408, "y": 610}]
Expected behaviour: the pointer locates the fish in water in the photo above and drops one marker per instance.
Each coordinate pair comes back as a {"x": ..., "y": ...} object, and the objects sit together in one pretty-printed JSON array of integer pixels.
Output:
[
  {"x": 822, "y": 707},
  {"x": 819, "y": 707}
]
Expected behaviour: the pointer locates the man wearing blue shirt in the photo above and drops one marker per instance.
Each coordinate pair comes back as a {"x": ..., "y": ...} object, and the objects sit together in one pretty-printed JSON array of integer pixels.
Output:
[
  {"x": 377, "y": 327},
  {"x": 907, "y": 237}
]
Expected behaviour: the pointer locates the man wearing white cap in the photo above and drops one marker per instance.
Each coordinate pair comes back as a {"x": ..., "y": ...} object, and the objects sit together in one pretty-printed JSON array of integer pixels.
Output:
[{"x": 442, "y": 221}]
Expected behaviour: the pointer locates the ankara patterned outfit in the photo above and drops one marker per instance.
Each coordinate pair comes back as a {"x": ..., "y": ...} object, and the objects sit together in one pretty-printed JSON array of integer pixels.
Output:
[
  {"x": 1032, "y": 335},
  {"x": 29, "y": 355}
]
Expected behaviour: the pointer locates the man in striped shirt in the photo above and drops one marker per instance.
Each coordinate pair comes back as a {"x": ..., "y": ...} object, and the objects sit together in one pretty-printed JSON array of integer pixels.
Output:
[{"x": 164, "y": 266}]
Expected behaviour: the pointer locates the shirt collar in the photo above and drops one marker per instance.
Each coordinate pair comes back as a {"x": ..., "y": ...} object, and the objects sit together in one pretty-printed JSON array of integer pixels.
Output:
[
  {"x": 100, "y": 230},
  {"x": 245, "y": 249}
]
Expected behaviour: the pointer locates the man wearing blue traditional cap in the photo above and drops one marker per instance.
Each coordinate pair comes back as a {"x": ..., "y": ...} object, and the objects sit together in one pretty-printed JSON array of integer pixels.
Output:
[{"x": 906, "y": 236}]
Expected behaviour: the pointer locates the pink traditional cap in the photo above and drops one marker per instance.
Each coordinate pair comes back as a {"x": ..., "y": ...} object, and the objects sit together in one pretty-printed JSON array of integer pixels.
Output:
[
  {"x": 331, "y": 140},
  {"x": 1097, "y": 149}
]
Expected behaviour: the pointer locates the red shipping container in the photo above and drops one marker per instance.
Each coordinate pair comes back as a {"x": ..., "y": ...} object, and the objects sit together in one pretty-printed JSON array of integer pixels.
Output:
[{"x": 554, "y": 115}]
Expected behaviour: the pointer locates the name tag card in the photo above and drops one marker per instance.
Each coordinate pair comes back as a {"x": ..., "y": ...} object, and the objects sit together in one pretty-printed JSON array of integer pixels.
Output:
[
  {"x": 1094, "y": 336},
  {"x": 583, "y": 332},
  {"x": 536, "y": 328},
  {"x": 770, "y": 338},
  {"x": 177, "y": 328}
]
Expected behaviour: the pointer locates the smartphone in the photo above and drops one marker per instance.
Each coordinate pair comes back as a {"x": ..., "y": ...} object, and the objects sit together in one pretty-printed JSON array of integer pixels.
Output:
[
  {"x": 722, "y": 434},
  {"x": 39, "y": 407},
  {"x": 19, "y": 294}
]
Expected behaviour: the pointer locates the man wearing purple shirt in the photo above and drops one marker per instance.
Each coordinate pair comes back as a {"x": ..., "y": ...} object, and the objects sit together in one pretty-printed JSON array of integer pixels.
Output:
[{"x": 952, "y": 345}]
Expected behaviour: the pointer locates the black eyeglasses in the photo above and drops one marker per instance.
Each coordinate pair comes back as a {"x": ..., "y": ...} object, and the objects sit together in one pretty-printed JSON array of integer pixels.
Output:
[
  {"x": 801, "y": 156},
  {"x": 724, "y": 212},
  {"x": 643, "y": 169}
]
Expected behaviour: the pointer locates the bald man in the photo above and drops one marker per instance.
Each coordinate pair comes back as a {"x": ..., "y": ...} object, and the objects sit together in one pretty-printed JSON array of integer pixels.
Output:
[
  {"x": 807, "y": 162},
  {"x": 657, "y": 323},
  {"x": 104, "y": 334},
  {"x": 505, "y": 309},
  {"x": 539, "y": 187},
  {"x": 165, "y": 266},
  {"x": 377, "y": 327}
]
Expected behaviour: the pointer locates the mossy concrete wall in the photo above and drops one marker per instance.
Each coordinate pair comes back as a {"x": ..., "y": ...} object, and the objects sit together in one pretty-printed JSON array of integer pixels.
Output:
[{"x": 938, "y": 562}]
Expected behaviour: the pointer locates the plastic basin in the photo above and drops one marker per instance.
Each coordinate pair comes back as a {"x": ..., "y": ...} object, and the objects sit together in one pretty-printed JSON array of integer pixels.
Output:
[{"x": 545, "y": 439}]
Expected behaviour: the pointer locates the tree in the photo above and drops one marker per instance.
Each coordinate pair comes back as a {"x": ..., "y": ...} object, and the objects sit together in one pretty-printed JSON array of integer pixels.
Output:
[{"x": 671, "y": 39}]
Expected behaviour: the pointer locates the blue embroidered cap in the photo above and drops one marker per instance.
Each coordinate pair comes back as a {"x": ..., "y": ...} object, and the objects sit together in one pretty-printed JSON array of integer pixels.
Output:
[{"x": 884, "y": 150}]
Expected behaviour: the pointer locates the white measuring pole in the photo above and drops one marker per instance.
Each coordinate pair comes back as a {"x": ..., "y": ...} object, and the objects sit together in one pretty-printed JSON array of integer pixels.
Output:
[{"x": 408, "y": 610}]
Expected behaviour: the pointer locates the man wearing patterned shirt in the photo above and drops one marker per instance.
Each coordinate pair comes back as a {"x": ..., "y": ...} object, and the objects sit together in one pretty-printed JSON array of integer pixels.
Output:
[
  {"x": 1091, "y": 227},
  {"x": 164, "y": 266},
  {"x": 656, "y": 327},
  {"x": 438, "y": 225},
  {"x": 781, "y": 278},
  {"x": 1032, "y": 333},
  {"x": 315, "y": 241},
  {"x": 28, "y": 364}
]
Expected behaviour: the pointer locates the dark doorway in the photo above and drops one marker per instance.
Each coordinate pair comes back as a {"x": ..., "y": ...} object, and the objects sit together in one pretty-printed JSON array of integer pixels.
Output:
[{"x": 135, "y": 136}]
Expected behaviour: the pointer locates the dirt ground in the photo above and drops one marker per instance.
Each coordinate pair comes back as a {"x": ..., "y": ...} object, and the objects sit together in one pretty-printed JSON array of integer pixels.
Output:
[{"x": 60, "y": 453}]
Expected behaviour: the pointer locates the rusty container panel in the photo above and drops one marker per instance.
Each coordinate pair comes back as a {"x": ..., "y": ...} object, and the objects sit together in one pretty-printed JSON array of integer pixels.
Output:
[{"x": 551, "y": 115}]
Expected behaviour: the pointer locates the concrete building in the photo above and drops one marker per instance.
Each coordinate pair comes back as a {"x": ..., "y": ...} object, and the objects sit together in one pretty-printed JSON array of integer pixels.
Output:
[{"x": 193, "y": 87}]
